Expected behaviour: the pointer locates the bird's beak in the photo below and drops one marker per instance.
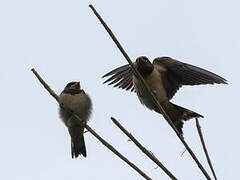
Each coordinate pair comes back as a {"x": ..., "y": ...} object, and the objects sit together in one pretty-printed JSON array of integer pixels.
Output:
[{"x": 76, "y": 85}]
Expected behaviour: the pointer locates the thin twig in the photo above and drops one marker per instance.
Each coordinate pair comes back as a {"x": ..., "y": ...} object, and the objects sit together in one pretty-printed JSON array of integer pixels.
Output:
[
  {"x": 110, "y": 147},
  {"x": 136, "y": 73},
  {"x": 46, "y": 86},
  {"x": 143, "y": 149},
  {"x": 205, "y": 148}
]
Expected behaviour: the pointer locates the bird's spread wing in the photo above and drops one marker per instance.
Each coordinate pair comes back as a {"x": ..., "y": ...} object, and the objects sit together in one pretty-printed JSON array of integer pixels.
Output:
[
  {"x": 122, "y": 77},
  {"x": 175, "y": 74}
]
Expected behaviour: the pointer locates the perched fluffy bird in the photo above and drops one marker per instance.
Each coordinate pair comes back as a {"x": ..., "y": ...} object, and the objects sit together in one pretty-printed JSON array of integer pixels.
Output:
[
  {"x": 74, "y": 99},
  {"x": 164, "y": 76}
]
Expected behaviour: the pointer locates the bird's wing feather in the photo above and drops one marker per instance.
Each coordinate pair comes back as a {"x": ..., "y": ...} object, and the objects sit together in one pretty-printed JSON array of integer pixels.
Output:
[
  {"x": 175, "y": 74},
  {"x": 121, "y": 77}
]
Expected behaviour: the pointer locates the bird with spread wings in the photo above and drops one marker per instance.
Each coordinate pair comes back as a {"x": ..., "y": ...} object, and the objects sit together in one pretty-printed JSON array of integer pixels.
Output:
[{"x": 164, "y": 76}]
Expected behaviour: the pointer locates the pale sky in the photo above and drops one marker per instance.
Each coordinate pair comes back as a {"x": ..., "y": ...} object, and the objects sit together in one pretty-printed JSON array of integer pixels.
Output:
[{"x": 64, "y": 41}]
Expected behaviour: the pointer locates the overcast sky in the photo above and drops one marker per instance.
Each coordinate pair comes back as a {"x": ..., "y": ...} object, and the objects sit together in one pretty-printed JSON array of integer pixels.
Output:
[{"x": 64, "y": 41}]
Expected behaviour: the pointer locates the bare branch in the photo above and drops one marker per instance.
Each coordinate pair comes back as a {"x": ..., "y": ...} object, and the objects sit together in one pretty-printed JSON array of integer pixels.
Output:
[
  {"x": 109, "y": 146},
  {"x": 205, "y": 148},
  {"x": 143, "y": 149},
  {"x": 136, "y": 73},
  {"x": 46, "y": 86}
]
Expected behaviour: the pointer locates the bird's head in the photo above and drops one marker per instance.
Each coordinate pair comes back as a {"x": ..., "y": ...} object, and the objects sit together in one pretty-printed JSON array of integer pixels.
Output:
[
  {"x": 144, "y": 66},
  {"x": 73, "y": 86}
]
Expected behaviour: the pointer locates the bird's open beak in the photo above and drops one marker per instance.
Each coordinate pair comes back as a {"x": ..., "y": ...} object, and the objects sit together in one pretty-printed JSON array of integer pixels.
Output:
[{"x": 76, "y": 86}]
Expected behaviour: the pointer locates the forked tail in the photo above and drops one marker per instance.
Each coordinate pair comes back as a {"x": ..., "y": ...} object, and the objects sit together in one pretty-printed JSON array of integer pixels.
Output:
[{"x": 179, "y": 114}]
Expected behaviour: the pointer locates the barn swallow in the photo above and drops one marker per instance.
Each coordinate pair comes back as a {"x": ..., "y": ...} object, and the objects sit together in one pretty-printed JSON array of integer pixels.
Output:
[
  {"x": 74, "y": 99},
  {"x": 164, "y": 76}
]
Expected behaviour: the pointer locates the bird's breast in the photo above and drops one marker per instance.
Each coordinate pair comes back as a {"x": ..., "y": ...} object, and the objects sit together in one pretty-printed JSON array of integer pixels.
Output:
[
  {"x": 155, "y": 83},
  {"x": 78, "y": 103}
]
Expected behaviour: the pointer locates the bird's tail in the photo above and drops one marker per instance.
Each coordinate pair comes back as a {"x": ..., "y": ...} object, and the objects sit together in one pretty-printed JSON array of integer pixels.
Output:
[
  {"x": 178, "y": 114},
  {"x": 77, "y": 141}
]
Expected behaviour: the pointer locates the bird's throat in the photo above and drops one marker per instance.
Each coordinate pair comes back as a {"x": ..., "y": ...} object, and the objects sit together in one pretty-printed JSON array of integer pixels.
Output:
[{"x": 144, "y": 69}]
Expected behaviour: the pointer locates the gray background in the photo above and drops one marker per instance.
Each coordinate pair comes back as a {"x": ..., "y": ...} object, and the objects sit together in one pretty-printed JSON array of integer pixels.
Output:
[{"x": 64, "y": 41}]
